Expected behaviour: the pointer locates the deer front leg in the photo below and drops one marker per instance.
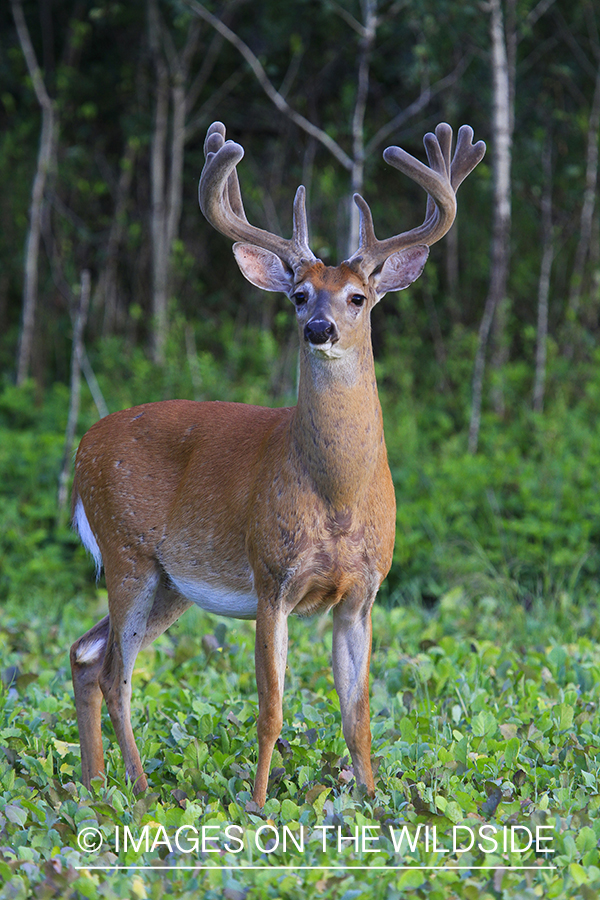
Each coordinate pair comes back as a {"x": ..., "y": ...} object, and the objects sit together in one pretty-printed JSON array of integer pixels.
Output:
[
  {"x": 351, "y": 658},
  {"x": 270, "y": 660}
]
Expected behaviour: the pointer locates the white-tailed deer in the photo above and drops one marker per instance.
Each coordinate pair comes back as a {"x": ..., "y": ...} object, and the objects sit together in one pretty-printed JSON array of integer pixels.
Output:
[{"x": 252, "y": 512}]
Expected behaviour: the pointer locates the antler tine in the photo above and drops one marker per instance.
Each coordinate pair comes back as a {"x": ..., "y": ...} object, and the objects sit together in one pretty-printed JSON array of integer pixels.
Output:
[
  {"x": 300, "y": 230},
  {"x": 367, "y": 241},
  {"x": 441, "y": 179},
  {"x": 466, "y": 156},
  {"x": 438, "y": 147},
  {"x": 221, "y": 202}
]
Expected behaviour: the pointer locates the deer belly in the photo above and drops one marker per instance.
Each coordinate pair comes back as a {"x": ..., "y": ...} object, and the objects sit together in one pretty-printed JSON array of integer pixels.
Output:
[{"x": 219, "y": 599}]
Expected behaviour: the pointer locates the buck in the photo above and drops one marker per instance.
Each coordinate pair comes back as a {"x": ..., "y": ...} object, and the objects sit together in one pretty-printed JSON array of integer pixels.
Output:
[{"x": 252, "y": 512}]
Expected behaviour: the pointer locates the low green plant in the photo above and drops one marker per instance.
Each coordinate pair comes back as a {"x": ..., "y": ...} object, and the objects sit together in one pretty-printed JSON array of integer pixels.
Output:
[{"x": 469, "y": 730}]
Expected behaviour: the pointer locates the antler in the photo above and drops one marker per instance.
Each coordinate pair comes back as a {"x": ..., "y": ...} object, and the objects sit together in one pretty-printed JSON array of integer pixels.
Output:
[
  {"x": 440, "y": 179},
  {"x": 221, "y": 203}
]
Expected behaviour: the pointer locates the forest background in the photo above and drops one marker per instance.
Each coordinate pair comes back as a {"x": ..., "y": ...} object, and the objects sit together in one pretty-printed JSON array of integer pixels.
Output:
[{"x": 487, "y": 367}]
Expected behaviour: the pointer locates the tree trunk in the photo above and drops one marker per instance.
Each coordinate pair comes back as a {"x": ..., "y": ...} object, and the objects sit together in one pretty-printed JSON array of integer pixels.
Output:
[
  {"x": 358, "y": 120},
  {"x": 175, "y": 193},
  {"x": 167, "y": 190},
  {"x": 501, "y": 162},
  {"x": 160, "y": 250},
  {"x": 503, "y": 55},
  {"x": 107, "y": 290},
  {"x": 544, "y": 282},
  {"x": 587, "y": 219},
  {"x": 79, "y": 320},
  {"x": 45, "y": 161}
]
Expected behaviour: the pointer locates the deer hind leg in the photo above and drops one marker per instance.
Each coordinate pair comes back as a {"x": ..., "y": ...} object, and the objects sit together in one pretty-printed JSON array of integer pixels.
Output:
[
  {"x": 87, "y": 657},
  {"x": 102, "y": 662},
  {"x": 270, "y": 658},
  {"x": 351, "y": 658}
]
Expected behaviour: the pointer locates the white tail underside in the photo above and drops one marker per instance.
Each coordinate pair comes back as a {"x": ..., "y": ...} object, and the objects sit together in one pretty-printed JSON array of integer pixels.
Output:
[{"x": 82, "y": 527}]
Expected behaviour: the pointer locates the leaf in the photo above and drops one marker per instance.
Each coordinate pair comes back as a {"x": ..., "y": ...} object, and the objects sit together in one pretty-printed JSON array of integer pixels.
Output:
[
  {"x": 511, "y": 752},
  {"x": 317, "y": 796},
  {"x": 484, "y": 724},
  {"x": 508, "y": 730},
  {"x": 578, "y": 874},
  {"x": 23, "y": 681},
  {"x": 565, "y": 716},
  {"x": 407, "y": 730},
  {"x": 62, "y": 747},
  {"x": 519, "y": 778},
  {"x": 15, "y": 814},
  {"x": 489, "y": 807},
  {"x": 410, "y": 880},
  {"x": 586, "y": 839},
  {"x": 311, "y": 735},
  {"x": 290, "y": 811}
]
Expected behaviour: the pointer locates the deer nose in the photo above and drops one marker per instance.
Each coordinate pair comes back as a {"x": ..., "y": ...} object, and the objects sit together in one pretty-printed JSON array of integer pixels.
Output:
[{"x": 320, "y": 331}]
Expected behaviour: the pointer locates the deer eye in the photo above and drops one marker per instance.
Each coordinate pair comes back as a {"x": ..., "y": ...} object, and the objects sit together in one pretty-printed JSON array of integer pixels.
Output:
[
  {"x": 357, "y": 299},
  {"x": 299, "y": 298}
]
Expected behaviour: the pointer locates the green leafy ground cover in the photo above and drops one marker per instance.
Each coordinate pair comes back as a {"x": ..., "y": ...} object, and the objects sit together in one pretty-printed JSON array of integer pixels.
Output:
[{"x": 481, "y": 716}]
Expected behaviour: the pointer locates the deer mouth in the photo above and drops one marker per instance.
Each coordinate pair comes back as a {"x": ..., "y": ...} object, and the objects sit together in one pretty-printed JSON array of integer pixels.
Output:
[{"x": 328, "y": 350}]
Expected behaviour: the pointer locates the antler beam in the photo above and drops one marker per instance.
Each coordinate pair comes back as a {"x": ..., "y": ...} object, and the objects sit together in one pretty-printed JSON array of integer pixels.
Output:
[{"x": 220, "y": 200}]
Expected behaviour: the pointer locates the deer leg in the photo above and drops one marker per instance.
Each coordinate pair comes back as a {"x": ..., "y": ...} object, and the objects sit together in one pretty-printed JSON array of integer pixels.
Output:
[
  {"x": 90, "y": 663},
  {"x": 351, "y": 658},
  {"x": 270, "y": 659},
  {"x": 87, "y": 656}
]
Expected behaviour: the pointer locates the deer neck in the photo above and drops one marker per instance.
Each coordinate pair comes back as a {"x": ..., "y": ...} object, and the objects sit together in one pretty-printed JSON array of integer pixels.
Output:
[{"x": 337, "y": 432}]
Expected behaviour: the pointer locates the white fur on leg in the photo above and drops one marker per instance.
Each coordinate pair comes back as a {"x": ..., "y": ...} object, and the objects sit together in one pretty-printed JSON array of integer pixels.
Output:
[{"x": 89, "y": 653}]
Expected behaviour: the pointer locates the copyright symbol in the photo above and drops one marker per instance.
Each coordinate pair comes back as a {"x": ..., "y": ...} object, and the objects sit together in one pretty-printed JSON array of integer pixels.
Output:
[{"x": 90, "y": 840}]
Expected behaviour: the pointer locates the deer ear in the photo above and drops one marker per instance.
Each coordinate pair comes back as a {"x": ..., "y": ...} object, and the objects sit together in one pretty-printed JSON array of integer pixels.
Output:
[
  {"x": 400, "y": 269},
  {"x": 262, "y": 268}
]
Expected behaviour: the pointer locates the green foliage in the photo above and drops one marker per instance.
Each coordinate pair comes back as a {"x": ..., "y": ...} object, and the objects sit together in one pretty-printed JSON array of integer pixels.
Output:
[
  {"x": 525, "y": 509},
  {"x": 470, "y": 728},
  {"x": 40, "y": 562},
  {"x": 211, "y": 359}
]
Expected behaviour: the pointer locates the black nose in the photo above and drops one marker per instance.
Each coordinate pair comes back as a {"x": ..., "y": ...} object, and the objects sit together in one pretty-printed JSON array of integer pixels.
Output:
[{"x": 320, "y": 331}]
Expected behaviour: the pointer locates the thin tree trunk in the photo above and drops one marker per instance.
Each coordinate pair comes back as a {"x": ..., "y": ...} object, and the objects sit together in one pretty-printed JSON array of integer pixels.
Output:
[
  {"x": 503, "y": 56},
  {"x": 79, "y": 320},
  {"x": 369, "y": 8},
  {"x": 479, "y": 370},
  {"x": 107, "y": 289},
  {"x": 175, "y": 192},
  {"x": 160, "y": 250},
  {"x": 502, "y": 136},
  {"x": 451, "y": 259},
  {"x": 45, "y": 161},
  {"x": 587, "y": 218},
  {"x": 92, "y": 382},
  {"x": 167, "y": 189},
  {"x": 544, "y": 282}
]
